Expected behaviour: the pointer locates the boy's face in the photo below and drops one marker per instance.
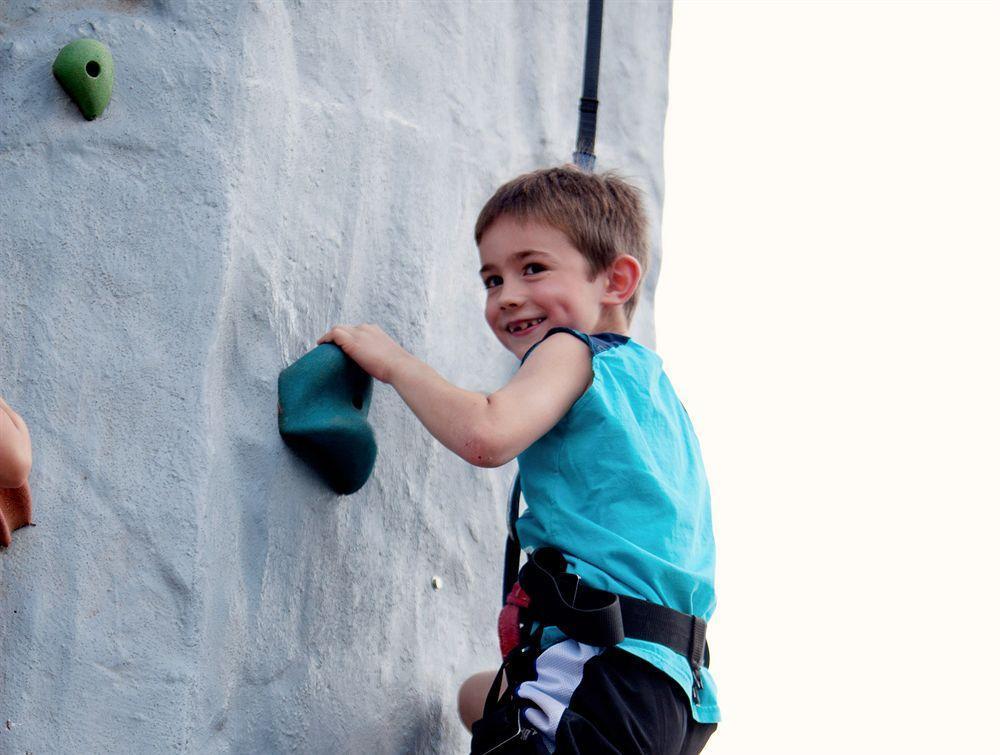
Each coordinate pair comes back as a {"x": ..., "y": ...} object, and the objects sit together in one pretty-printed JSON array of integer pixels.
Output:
[{"x": 536, "y": 280}]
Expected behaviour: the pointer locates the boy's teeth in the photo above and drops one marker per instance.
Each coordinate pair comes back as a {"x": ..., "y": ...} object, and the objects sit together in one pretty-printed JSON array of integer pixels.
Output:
[{"x": 522, "y": 325}]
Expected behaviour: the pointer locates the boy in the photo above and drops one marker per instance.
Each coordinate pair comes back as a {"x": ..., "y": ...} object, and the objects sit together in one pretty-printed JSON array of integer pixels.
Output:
[{"x": 610, "y": 469}]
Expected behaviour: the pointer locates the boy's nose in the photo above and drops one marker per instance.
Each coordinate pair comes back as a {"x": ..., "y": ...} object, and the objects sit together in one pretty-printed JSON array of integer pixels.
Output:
[{"x": 512, "y": 296}]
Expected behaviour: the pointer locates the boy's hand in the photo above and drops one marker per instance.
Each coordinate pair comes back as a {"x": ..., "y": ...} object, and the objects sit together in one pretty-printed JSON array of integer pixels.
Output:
[{"x": 374, "y": 351}]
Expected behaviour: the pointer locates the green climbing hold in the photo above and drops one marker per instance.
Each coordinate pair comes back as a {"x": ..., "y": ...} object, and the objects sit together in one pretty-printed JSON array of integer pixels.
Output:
[
  {"x": 87, "y": 73},
  {"x": 323, "y": 401}
]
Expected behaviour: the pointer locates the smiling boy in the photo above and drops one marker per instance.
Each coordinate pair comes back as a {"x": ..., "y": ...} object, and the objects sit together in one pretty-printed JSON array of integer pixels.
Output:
[{"x": 611, "y": 472}]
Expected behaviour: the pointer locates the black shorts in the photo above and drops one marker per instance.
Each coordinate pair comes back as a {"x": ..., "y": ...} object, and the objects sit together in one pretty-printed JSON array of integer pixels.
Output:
[{"x": 593, "y": 700}]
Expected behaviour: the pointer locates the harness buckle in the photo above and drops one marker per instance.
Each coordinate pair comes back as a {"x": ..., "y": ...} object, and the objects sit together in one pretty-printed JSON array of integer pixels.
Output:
[{"x": 696, "y": 652}]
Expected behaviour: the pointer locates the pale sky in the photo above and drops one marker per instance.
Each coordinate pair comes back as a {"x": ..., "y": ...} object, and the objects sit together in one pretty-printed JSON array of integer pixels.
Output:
[{"x": 828, "y": 312}]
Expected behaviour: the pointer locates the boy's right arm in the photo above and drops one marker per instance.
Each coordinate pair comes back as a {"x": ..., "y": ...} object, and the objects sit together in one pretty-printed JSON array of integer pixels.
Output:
[
  {"x": 487, "y": 431},
  {"x": 15, "y": 448}
]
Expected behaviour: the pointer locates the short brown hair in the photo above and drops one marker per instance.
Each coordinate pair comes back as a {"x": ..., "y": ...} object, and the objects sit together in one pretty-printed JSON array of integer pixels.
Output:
[{"x": 600, "y": 213}]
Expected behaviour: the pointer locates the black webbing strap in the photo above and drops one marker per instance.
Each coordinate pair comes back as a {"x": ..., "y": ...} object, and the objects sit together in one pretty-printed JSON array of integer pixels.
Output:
[
  {"x": 586, "y": 134},
  {"x": 512, "y": 553},
  {"x": 597, "y": 617}
]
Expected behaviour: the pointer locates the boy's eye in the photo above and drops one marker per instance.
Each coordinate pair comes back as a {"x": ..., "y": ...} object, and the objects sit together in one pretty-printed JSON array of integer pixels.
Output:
[
  {"x": 491, "y": 281},
  {"x": 533, "y": 268}
]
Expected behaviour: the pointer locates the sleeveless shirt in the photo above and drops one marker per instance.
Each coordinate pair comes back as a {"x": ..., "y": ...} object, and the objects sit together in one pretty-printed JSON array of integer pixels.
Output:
[{"x": 618, "y": 486}]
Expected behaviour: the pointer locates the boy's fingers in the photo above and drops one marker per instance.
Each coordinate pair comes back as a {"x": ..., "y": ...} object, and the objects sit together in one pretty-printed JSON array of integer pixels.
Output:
[{"x": 329, "y": 336}]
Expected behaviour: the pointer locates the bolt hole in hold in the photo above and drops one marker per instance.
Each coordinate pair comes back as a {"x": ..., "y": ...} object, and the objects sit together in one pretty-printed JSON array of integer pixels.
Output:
[
  {"x": 93, "y": 69},
  {"x": 358, "y": 401}
]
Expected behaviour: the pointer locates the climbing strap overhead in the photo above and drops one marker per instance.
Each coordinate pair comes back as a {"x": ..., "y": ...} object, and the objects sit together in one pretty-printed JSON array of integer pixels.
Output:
[{"x": 586, "y": 135}]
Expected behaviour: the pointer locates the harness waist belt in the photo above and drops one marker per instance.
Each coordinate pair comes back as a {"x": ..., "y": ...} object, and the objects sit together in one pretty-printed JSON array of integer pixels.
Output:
[{"x": 598, "y": 617}]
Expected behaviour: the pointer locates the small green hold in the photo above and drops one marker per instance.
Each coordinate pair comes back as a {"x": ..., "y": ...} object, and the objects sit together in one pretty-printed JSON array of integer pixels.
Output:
[
  {"x": 323, "y": 401},
  {"x": 87, "y": 73}
]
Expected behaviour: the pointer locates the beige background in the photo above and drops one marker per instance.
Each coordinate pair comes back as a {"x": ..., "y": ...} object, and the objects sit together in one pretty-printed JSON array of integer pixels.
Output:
[{"x": 828, "y": 311}]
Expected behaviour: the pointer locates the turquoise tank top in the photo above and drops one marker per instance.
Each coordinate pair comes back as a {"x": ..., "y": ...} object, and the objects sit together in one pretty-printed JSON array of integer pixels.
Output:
[{"x": 618, "y": 486}]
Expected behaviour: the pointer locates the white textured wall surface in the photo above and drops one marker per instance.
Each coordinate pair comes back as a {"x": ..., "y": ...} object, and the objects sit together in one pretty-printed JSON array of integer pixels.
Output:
[{"x": 264, "y": 170}]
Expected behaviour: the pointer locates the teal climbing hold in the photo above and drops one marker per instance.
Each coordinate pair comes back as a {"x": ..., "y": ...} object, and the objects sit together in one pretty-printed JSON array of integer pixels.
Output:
[
  {"x": 323, "y": 401},
  {"x": 87, "y": 73}
]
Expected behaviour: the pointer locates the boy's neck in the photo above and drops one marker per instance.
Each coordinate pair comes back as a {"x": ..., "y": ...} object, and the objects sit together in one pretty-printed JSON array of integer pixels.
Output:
[{"x": 613, "y": 320}]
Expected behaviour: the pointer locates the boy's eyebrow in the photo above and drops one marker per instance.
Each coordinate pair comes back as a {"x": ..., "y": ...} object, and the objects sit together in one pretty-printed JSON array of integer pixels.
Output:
[{"x": 517, "y": 256}]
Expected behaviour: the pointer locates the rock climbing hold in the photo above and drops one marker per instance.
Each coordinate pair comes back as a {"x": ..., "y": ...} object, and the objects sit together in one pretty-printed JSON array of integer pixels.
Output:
[
  {"x": 87, "y": 73},
  {"x": 15, "y": 511},
  {"x": 436, "y": 583},
  {"x": 323, "y": 401}
]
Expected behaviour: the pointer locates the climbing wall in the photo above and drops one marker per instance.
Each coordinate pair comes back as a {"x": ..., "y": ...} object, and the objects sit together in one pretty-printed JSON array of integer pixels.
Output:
[{"x": 264, "y": 170}]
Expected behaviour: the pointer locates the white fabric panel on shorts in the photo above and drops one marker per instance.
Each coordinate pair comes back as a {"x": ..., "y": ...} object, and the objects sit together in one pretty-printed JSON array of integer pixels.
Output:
[{"x": 560, "y": 671}]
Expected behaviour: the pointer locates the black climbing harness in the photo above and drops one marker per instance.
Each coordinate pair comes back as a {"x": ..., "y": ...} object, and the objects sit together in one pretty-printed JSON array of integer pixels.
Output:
[
  {"x": 590, "y": 616},
  {"x": 603, "y": 619}
]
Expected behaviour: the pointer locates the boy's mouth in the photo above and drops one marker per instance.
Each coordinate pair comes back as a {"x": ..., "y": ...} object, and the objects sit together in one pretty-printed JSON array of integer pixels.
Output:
[{"x": 523, "y": 326}]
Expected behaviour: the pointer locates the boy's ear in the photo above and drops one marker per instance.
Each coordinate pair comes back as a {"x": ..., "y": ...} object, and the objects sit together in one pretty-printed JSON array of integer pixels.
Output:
[{"x": 623, "y": 278}]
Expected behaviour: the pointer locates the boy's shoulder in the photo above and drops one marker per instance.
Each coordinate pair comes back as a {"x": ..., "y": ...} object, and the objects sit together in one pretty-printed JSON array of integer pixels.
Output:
[
  {"x": 596, "y": 342},
  {"x": 601, "y": 342}
]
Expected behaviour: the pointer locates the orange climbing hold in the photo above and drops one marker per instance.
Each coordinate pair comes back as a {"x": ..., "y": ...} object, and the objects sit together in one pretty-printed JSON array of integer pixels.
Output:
[{"x": 15, "y": 511}]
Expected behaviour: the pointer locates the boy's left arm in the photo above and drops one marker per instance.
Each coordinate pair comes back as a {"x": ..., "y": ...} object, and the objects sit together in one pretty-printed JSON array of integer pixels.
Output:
[{"x": 487, "y": 431}]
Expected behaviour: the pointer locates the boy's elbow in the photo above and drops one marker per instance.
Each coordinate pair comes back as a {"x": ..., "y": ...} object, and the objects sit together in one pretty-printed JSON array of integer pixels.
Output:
[{"x": 483, "y": 448}]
